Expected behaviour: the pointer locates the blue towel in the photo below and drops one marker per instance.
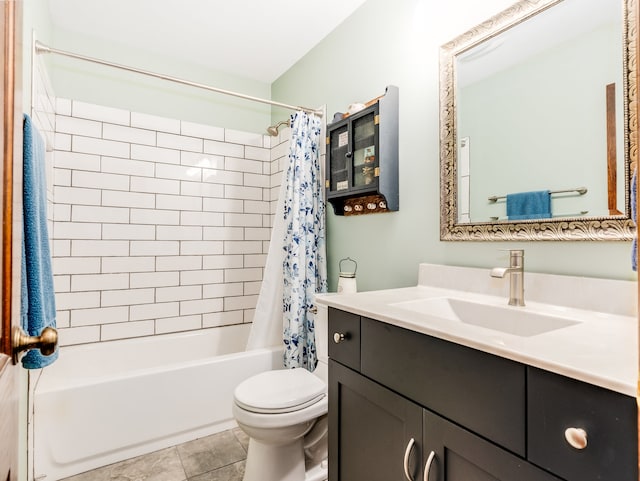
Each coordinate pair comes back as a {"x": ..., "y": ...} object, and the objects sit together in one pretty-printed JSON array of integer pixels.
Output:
[
  {"x": 37, "y": 307},
  {"x": 634, "y": 218},
  {"x": 529, "y": 205}
]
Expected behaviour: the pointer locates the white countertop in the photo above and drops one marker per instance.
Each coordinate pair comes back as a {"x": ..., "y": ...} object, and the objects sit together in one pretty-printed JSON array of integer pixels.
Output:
[{"x": 601, "y": 348}]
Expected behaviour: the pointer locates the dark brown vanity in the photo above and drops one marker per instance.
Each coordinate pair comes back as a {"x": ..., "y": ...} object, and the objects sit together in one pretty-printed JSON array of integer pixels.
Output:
[{"x": 406, "y": 405}]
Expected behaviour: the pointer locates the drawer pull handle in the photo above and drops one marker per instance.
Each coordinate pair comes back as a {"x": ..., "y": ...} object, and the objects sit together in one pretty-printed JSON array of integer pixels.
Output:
[
  {"x": 427, "y": 467},
  {"x": 407, "y": 453},
  {"x": 576, "y": 437},
  {"x": 338, "y": 337}
]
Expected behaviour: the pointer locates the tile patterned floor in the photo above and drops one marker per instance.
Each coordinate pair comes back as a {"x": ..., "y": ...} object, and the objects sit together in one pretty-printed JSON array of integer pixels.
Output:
[{"x": 219, "y": 457}]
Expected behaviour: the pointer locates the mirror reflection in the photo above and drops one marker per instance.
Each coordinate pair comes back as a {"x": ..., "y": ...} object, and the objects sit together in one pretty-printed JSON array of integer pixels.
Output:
[{"x": 535, "y": 123}]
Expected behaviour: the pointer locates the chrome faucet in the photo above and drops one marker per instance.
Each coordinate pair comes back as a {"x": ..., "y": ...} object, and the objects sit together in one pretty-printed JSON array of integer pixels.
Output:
[{"x": 516, "y": 276}]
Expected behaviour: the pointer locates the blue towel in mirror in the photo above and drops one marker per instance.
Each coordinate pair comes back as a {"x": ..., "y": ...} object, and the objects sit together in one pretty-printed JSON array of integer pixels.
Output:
[
  {"x": 37, "y": 306},
  {"x": 529, "y": 205}
]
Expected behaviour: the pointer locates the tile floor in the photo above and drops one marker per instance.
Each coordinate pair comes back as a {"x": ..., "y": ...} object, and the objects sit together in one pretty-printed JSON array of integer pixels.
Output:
[{"x": 219, "y": 457}]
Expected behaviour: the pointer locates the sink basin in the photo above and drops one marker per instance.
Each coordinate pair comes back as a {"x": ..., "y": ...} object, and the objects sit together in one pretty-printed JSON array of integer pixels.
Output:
[{"x": 512, "y": 320}]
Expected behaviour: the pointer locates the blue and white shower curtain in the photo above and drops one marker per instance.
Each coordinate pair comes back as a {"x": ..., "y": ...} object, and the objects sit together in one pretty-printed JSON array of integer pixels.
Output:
[{"x": 305, "y": 267}]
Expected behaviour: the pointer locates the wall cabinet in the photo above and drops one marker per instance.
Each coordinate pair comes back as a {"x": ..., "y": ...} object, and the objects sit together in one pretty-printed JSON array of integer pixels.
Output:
[
  {"x": 402, "y": 404},
  {"x": 362, "y": 159}
]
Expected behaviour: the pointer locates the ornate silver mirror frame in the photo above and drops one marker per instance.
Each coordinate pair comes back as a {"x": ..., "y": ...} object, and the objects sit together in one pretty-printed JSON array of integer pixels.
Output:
[{"x": 609, "y": 228}]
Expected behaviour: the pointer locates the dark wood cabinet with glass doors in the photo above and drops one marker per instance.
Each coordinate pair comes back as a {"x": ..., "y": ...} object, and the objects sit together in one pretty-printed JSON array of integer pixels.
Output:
[{"x": 362, "y": 158}]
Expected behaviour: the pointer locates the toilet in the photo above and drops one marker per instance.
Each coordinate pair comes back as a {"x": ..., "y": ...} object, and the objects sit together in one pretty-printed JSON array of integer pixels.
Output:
[{"x": 284, "y": 413}]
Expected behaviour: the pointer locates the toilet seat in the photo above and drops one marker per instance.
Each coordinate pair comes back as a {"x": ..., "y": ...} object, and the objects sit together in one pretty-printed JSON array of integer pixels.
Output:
[{"x": 281, "y": 391}]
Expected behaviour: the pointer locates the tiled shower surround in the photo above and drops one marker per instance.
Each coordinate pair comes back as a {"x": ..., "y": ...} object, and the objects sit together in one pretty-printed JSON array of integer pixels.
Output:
[{"x": 160, "y": 225}]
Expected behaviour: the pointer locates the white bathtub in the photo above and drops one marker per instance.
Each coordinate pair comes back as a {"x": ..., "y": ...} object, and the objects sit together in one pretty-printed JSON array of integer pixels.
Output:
[{"x": 102, "y": 403}]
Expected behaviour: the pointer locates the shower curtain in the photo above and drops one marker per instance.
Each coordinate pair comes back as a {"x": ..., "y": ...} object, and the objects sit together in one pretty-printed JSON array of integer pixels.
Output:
[
  {"x": 266, "y": 329},
  {"x": 305, "y": 268},
  {"x": 271, "y": 320}
]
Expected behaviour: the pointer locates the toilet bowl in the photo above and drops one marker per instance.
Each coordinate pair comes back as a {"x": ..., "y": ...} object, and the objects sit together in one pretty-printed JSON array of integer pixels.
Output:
[
  {"x": 284, "y": 414},
  {"x": 276, "y": 409}
]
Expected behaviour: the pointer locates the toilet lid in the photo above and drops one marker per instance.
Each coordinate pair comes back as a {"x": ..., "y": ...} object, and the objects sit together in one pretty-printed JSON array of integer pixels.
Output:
[{"x": 279, "y": 391}]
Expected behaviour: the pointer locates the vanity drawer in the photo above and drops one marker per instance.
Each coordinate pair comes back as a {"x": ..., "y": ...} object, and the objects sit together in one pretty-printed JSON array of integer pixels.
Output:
[
  {"x": 345, "y": 349},
  {"x": 557, "y": 403},
  {"x": 480, "y": 391}
]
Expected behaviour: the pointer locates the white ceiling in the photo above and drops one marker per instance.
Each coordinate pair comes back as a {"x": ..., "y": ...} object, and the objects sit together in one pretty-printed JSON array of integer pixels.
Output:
[{"x": 256, "y": 39}]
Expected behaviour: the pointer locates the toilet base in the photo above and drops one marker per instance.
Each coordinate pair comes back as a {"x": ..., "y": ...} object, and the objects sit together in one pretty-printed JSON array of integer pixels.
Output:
[
  {"x": 319, "y": 472},
  {"x": 268, "y": 462}
]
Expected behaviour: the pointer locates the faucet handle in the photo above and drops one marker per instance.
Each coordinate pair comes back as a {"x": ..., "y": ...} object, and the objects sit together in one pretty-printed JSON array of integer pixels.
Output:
[
  {"x": 516, "y": 257},
  {"x": 514, "y": 252}
]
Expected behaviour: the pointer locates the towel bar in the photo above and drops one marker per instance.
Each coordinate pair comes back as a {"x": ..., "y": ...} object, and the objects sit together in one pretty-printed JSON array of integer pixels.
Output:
[
  {"x": 579, "y": 190},
  {"x": 582, "y": 212}
]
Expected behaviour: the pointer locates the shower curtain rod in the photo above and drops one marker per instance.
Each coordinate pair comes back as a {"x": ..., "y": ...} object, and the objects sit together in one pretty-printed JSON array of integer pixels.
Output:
[{"x": 41, "y": 48}]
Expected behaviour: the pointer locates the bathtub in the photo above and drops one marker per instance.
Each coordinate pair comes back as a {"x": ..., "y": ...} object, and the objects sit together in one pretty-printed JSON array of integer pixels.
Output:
[{"x": 106, "y": 402}]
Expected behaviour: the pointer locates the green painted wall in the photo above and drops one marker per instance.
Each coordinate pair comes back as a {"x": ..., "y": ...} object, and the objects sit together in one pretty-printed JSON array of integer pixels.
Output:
[
  {"x": 398, "y": 43},
  {"x": 102, "y": 85},
  {"x": 35, "y": 17}
]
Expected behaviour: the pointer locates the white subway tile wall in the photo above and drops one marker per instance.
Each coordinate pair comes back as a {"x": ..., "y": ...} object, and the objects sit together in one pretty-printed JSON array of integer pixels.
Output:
[
  {"x": 158, "y": 225},
  {"x": 43, "y": 115}
]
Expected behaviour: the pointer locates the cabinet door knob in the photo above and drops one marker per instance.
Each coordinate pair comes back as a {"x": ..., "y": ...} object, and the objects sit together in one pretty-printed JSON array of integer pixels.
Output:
[
  {"x": 407, "y": 453},
  {"x": 427, "y": 467},
  {"x": 348, "y": 155},
  {"x": 576, "y": 437},
  {"x": 338, "y": 337}
]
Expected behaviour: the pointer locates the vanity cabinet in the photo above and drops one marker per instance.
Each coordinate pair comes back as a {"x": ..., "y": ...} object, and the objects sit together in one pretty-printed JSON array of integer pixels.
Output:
[
  {"x": 482, "y": 416},
  {"x": 362, "y": 158},
  {"x": 607, "y": 421},
  {"x": 460, "y": 455},
  {"x": 444, "y": 376},
  {"x": 376, "y": 433}
]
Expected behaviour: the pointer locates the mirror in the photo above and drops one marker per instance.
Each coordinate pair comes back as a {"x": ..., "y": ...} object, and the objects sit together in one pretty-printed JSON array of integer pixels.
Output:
[{"x": 535, "y": 107}]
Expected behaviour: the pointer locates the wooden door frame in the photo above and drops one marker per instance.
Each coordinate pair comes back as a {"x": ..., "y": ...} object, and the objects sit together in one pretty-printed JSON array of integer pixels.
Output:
[
  {"x": 11, "y": 142},
  {"x": 8, "y": 141}
]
